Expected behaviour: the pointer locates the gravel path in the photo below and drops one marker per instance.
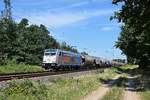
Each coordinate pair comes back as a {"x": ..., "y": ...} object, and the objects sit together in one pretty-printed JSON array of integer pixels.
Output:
[{"x": 101, "y": 91}]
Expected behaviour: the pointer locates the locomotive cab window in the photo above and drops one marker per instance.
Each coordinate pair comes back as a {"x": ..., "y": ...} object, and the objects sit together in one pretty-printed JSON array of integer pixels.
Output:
[
  {"x": 50, "y": 54},
  {"x": 53, "y": 54}
]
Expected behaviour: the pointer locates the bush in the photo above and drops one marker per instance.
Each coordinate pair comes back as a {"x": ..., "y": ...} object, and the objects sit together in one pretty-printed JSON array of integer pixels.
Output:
[{"x": 26, "y": 90}]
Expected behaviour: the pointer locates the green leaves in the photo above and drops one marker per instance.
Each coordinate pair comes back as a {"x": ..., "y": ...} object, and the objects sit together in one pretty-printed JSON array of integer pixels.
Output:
[
  {"x": 116, "y": 1},
  {"x": 26, "y": 43},
  {"x": 33, "y": 40},
  {"x": 134, "y": 39}
]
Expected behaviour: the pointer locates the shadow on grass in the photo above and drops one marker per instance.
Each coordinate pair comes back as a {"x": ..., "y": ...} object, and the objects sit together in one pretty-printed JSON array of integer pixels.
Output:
[
  {"x": 113, "y": 82},
  {"x": 138, "y": 80},
  {"x": 134, "y": 71}
]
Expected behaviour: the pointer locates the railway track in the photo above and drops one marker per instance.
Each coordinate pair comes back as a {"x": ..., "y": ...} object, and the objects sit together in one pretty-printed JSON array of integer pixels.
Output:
[{"x": 11, "y": 76}]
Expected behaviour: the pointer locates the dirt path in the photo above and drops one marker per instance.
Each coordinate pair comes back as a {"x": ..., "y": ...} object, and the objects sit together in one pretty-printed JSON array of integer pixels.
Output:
[
  {"x": 130, "y": 93},
  {"x": 96, "y": 95},
  {"x": 131, "y": 96},
  {"x": 100, "y": 92}
]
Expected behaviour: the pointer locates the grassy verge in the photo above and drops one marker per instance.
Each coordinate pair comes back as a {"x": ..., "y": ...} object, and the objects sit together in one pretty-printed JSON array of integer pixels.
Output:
[
  {"x": 13, "y": 67},
  {"x": 55, "y": 89},
  {"x": 142, "y": 80},
  {"x": 26, "y": 90},
  {"x": 145, "y": 95},
  {"x": 16, "y": 68},
  {"x": 144, "y": 86},
  {"x": 117, "y": 90},
  {"x": 115, "y": 93},
  {"x": 73, "y": 89}
]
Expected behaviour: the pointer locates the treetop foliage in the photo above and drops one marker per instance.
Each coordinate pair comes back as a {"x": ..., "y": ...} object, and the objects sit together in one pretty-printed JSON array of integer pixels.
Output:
[
  {"x": 134, "y": 40},
  {"x": 24, "y": 42}
]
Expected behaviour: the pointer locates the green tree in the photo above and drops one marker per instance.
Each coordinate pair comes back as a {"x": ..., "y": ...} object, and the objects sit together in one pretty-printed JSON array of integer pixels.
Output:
[
  {"x": 134, "y": 40},
  {"x": 24, "y": 42},
  {"x": 8, "y": 38},
  {"x": 33, "y": 40},
  {"x": 67, "y": 47}
]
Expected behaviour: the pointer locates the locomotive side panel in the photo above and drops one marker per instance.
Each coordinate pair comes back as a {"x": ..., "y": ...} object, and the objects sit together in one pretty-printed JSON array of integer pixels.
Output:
[{"x": 70, "y": 59}]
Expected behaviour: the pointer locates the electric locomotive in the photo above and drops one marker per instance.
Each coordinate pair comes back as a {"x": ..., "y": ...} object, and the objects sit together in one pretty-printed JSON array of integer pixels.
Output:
[{"x": 60, "y": 59}]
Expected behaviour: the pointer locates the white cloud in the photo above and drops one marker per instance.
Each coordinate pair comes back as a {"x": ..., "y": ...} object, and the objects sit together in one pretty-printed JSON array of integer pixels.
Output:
[
  {"x": 77, "y": 4},
  {"x": 106, "y": 28},
  {"x": 51, "y": 19}
]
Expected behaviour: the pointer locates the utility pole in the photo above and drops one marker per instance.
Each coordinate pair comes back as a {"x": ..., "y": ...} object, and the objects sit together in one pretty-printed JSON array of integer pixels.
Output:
[{"x": 7, "y": 13}]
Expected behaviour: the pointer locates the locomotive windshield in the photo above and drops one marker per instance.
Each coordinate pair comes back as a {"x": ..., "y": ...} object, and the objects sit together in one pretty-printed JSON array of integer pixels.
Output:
[{"x": 50, "y": 54}]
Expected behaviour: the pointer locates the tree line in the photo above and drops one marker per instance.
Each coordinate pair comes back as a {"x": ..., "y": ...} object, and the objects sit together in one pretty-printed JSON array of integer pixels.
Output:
[
  {"x": 134, "y": 40},
  {"x": 26, "y": 43}
]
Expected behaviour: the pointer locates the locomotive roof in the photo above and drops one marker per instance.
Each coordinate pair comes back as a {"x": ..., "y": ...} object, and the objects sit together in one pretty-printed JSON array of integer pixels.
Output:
[{"x": 64, "y": 51}]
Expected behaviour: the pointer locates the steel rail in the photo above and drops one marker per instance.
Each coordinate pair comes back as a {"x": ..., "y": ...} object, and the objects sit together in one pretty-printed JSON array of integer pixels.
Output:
[{"x": 11, "y": 76}]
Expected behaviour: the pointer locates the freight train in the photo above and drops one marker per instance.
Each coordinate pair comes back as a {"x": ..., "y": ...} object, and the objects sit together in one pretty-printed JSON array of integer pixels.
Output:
[{"x": 59, "y": 59}]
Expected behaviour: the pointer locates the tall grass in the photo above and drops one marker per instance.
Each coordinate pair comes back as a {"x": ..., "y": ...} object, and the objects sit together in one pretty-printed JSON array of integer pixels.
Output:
[
  {"x": 144, "y": 86},
  {"x": 145, "y": 95},
  {"x": 13, "y": 67},
  {"x": 77, "y": 87},
  {"x": 56, "y": 88},
  {"x": 26, "y": 90},
  {"x": 141, "y": 82},
  {"x": 73, "y": 89},
  {"x": 115, "y": 93},
  {"x": 116, "y": 90}
]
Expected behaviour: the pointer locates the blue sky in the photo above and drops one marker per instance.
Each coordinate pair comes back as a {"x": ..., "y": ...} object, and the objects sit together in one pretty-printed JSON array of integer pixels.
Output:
[{"x": 81, "y": 23}]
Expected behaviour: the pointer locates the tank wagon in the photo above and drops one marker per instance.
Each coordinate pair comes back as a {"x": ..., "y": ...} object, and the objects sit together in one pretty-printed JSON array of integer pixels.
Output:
[
  {"x": 96, "y": 62},
  {"x": 60, "y": 59}
]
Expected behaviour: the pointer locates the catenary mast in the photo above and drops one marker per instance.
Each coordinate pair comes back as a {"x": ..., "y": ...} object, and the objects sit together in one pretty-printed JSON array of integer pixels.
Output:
[{"x": 7, "y": 13}]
